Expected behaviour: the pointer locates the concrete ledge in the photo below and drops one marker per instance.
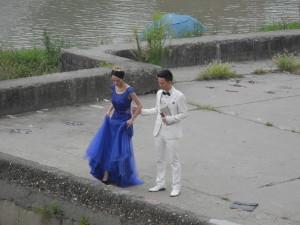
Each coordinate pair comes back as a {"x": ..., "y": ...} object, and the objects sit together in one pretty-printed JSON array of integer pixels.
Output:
[
  {"x": 55, "y": 184},
  {"x": 33, "y": 93},
  {"x": 227, "y": 48},
  {"x": 233, "y": 48}
]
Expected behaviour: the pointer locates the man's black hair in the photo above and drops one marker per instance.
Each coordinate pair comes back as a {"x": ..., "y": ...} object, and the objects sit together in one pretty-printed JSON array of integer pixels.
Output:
[{"x": 165, "y": 74}]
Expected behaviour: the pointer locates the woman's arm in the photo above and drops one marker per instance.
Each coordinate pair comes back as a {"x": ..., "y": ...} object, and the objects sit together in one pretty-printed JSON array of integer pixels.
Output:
[
  {"x": 111, "y": 107},
  {"x": 137, "y": 110}
]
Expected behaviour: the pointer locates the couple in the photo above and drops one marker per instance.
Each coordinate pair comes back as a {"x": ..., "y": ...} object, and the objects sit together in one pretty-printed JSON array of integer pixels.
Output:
[{"x": 110, "y": 153}]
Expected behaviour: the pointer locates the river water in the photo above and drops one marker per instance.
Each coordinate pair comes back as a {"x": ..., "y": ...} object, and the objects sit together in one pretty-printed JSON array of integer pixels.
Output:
[{"x": 90, "y": 22}]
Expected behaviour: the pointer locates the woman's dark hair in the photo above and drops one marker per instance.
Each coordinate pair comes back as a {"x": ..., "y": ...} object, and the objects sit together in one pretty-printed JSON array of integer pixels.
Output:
[
  {"x": 165, "y": 74},
  {"x": 118, "y": 72}
]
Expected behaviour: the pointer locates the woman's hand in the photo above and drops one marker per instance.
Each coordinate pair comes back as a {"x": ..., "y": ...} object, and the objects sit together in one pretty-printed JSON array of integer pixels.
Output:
[
  {"x": 129, "y": 123},
  {"x": 111, "y": 107}
]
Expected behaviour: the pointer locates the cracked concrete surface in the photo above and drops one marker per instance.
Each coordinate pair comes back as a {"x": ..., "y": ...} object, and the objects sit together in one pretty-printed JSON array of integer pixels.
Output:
[{"x": 228, "y": 156}]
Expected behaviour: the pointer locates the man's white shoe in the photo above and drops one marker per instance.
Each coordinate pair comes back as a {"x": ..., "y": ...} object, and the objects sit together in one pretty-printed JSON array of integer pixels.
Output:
[
  {"x": 174, "y": 193},
  {"x": 157, "y": 188}
]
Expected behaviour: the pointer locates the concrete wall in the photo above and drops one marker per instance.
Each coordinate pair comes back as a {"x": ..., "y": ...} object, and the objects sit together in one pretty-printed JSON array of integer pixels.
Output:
[
  {"x": 29, "y": 94},
  {"x": 73, "y": 62},
  {"x": 28, "y": 184},
  {"x": 18, "y": 205},
  {"x": 227, "y": 48}
]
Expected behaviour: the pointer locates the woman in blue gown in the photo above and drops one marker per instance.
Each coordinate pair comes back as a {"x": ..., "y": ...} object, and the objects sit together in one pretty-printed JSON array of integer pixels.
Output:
[{"x": 110, "y": 153}]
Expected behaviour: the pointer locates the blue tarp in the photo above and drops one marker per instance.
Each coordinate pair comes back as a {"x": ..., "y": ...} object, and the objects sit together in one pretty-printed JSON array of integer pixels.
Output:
[{"x": 178, "y": 25}]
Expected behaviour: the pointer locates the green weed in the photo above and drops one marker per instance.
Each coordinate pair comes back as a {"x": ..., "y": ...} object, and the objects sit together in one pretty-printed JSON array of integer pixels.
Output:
[
  {"x": 23, "y": 63},
  {"x": 235, "y": 29},
  {"x": 280, "y": 26},
  {"x": 52, "y": 48},
  {"x": 106, "y": 64},
  {"x": 84, "y": 221},
  {"x": 217, "y": 71},
  {"x": 286, "y": 62},
  {"x": 19, "y": 63},
  {"x": 204, "y": 107},
  {"x": 49, "y": 211},
  {"x": 214, "y": 31},
  {"x": 226, "y": 199},
  {"x": 155, "y": 37}
]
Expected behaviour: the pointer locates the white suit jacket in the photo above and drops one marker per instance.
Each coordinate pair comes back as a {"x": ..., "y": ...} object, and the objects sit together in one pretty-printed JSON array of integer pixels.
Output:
[{"x": 178, "y": 110}]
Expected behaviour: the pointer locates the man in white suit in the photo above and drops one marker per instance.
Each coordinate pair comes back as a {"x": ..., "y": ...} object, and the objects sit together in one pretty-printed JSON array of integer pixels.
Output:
[{"x": 170, "y": 109}]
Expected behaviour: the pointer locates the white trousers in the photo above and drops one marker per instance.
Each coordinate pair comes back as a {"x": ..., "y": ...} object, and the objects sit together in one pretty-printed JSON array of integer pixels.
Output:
[{"x": 167, "y": 147}]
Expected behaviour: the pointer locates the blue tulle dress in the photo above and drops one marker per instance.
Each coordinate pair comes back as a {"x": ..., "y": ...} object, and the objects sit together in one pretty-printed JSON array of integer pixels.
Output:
[{"x": 111, "y": 149}]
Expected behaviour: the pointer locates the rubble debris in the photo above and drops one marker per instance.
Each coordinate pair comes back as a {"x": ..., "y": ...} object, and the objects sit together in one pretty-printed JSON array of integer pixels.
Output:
[
  {"x": 72, "y": 123},
  {"x": 20, "y": 131}
]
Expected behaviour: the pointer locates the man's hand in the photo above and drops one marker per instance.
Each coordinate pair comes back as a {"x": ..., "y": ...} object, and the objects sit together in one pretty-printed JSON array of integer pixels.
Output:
[{"x": 163, "y": 117}]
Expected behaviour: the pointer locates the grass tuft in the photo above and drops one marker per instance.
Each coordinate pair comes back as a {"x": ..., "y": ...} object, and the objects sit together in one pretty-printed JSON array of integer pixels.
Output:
[
  {"x": 48, "y": 211},
  {"x": 106, "y": 64},
  {"x": 204, "y": 107},
  {"x": 155, "y": 37},
  {"x": 286, "y": 62},
  {"x": 226, "y": 199},
  {"x": 261, "y": 71},
  {"x": 218, "y": 71},
  {"x": 281, "y": 26},
  {"x": 269, "y": 124},
  {"x": 20, "y": 63},
  {"x": 84, "y": 221}
]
